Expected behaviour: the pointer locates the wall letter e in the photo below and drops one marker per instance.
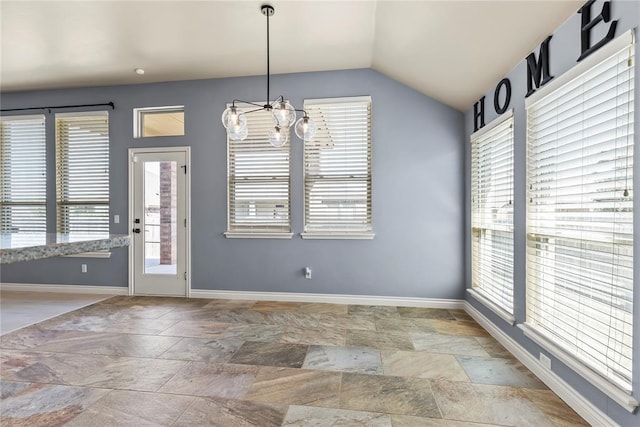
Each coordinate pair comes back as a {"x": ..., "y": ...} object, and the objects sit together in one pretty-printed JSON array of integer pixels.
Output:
[{"x": 587, "y": 24}]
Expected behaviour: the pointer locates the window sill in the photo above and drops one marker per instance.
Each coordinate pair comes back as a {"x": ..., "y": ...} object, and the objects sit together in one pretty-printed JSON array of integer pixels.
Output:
[
  {"x": 101, "y": 254},
  {"x": 619, "y": 395},
  {"x": 497, "y": 310},
  {"x": 337, "y": 235},
  {"x": 256, "y": 235}
]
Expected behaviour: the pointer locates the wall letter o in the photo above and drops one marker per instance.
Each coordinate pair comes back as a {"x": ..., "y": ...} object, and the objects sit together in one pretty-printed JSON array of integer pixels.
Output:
[{"x": 496, "y": 96}]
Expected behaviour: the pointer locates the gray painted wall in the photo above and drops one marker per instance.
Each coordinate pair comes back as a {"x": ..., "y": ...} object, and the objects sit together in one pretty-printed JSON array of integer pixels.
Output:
[
  {"x": 418, "y": 192},
  {"x": 564, "y": 50}
]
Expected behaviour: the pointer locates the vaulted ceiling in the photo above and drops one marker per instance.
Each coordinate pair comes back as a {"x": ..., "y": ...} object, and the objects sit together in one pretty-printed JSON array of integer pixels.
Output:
[{"x": 451, "y": 50}]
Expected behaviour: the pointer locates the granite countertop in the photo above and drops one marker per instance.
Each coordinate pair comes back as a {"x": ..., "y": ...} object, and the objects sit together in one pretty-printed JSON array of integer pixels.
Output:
[{"x": 15, "y": 247}]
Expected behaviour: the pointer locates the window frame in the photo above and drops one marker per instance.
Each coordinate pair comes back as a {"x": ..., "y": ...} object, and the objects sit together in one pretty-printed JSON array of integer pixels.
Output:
[
  {"x": 43, "y": 202},
  {"x": 138, "y": 120},
  {"x": 342, "y": 234},
  {"x": 60, "y": 176},
  {"x": 615, "y": 391},
  {"x": 260, "y": 231},
  {"x": 477, "y": 292}
]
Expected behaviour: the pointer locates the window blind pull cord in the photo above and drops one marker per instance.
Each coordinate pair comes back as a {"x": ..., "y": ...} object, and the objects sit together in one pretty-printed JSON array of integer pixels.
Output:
[
  {"x": 625, "y": 193},
  {"x": 106, "y": 104}
]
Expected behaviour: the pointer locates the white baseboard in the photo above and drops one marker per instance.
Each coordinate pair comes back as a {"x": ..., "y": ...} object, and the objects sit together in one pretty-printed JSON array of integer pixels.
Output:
[
  {"x": 67, "y": 289},
  {"x": 331, "y": 298},
  {"x": 575, "y": 400}
]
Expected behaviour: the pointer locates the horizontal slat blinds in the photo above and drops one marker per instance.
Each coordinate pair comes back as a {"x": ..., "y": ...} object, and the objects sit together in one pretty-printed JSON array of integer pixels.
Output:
[
  {"x": 23, "y": 180},
  {"x": 258, "y": 176},
  {"x": 82, "y": 172},
  {"x": 492, "y": 214},
  {"x": 580, "y": 217},
  {"x": 338, "y": 168}
]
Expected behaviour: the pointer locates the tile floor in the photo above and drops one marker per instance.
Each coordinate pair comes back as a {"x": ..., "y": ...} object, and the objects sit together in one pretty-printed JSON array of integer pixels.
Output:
[
  {"x": 20, "y": 309},
  {"x": 132, "y": 361}
]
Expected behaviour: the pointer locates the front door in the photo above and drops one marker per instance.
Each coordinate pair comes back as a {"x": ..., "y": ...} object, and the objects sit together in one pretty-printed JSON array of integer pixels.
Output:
[{"x": 159, "y": 211}]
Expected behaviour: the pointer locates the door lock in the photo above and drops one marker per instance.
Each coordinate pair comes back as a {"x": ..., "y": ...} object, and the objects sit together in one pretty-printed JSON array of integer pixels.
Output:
[{"x": 136, "y": 230}]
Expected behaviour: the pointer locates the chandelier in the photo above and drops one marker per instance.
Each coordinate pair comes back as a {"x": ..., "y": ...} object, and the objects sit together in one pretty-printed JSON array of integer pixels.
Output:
[{"x": 284, "y": 114}]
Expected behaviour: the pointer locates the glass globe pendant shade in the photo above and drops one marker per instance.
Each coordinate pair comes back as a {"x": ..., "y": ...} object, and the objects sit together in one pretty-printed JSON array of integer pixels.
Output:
[
  {"x": 284, "y": 113},
  {"x": 230, "y": 115},
  {"x": 238, "y": 131},
  {"x": 277, "y": 137},
  {"x": 305, "y": 128}
]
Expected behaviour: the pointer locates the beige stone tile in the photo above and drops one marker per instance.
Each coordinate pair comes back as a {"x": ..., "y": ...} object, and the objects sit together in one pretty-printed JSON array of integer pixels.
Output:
[
  {"x": 343, "y": 359},
  {"x": 50, "y": 368},
  {"x": 34, "y": 336},
  {"x": 491, "y": 404},
  {"x": 133, "y": 408},
  {"x": 296, "y": 387},
  {"x": 321, "y": 308},
  {"x": 461, "y": 315},
  {"x": 447, "y": 344},
  {"x": 363, "y": 322},
  {"x": 268, "y": 306},
  {"x": 386, "y": 394},
  {"x": 292, "y": 318},
  {"x": 422, "y": 365},
  {"x": 270, "y": 354},
  {"x": 499, "y": 371},
  {"x": 212, "y": 380},
  {"x": 306, "y": 416},
  {"x": 128, "y": 373},
  {"x": 229, "y": 304},
  {"x": 559, "y": 412},
  {"x": 258, "y": 333},
  {"x": 319, "y": 336},
  {"x": 493, "y": 348},
  {"x": 34, "y": 405},
  {"x": 425, "y": 313},
  {"x": 396, "y": 340},
  {"x": 410, "y": 421},
  {"x": 196, "y": 329},
  {"x": 202, "y": 349},
  {"x": 111, "y": 345},
  {"x": 225, "y": 413},
  {"x": 458, "y": 327},
  {"x": 375, "y": 310},
  {"x": 405, "y": 324}
]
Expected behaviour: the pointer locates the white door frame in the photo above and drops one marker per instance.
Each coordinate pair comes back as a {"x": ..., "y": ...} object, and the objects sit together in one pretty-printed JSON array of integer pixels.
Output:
[{"x": 187, "y": 152}]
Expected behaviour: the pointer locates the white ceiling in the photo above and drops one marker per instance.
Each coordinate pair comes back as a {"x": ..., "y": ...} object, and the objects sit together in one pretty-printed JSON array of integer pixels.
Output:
[{"x": 451, "y": 50}]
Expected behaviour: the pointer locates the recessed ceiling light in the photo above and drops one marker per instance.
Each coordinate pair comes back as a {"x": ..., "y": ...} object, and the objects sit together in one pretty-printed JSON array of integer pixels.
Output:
[{"x": 139, "y": 71}]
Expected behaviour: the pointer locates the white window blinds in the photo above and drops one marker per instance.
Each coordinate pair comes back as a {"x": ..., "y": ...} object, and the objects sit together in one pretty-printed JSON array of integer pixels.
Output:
[
  {"x": 580, "y": 216},
  {"x": 258, "y": 178},
  {"x": 337, "y": 169},
  {"x": 82, "y": 172},
  {"x": 23, "y": 175},
  {"x": 492, "y": 212}
]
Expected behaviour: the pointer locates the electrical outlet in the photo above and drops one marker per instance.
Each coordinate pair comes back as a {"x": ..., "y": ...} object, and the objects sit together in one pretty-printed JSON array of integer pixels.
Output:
[
  {"x": 545, "y": 360},
  {"x": 307, "y": 272},
  {"x": 116, "y": 219},
  {"x": 83, "y": 267}
]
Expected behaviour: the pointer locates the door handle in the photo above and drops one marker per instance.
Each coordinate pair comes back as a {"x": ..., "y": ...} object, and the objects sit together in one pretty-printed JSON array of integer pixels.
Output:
[{"x": 136, "y": 230}]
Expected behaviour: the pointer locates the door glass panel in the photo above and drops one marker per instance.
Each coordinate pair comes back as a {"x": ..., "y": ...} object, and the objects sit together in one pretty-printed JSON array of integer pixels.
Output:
[{"x": 160, "y": 217}]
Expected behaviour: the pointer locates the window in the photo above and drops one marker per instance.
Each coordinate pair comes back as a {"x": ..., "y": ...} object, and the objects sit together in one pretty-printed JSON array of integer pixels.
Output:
[
  {"x": 258, "y": 182},
  {"x": 158, "y": 121},
  {"x": 82, "y": 172},
  {"x": 580, "y": 216},
  {"x": 337, "y": 169},
  {"x": 492, "y": 215},
  {"x": 23, "y": 174}
]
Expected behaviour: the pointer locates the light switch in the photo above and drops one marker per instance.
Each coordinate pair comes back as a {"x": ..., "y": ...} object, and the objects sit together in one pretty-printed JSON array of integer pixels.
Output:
[{"x": 116, "y": 219}]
